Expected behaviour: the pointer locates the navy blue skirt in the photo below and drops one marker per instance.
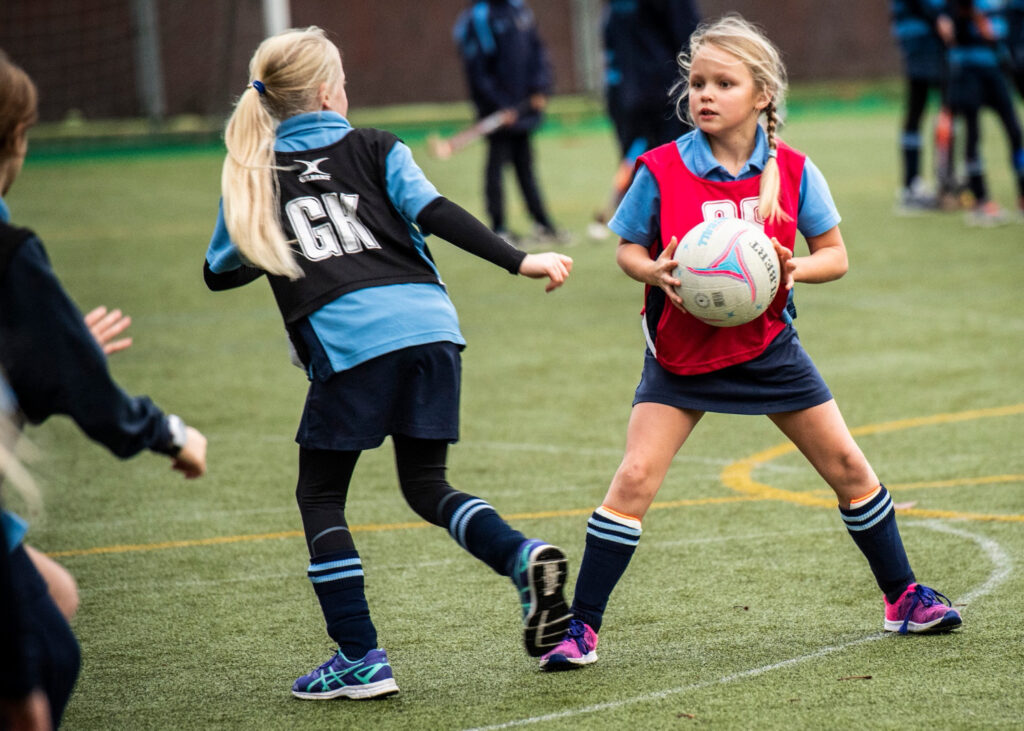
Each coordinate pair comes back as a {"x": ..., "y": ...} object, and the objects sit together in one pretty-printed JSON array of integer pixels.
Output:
[
  {"x": 413, "y": 391},
  {"x": 782, "y": 378}
]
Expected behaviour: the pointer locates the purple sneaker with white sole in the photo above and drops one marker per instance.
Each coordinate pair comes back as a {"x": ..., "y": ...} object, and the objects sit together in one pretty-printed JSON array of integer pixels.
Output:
[{"x": 339, "y": 677}]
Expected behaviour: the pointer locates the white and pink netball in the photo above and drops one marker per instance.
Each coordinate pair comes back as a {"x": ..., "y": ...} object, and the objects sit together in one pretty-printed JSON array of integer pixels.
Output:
[{"x": 728, "y": 271}]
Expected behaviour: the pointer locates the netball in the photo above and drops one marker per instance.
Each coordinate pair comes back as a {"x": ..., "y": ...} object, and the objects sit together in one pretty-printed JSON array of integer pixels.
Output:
[{"x": 728, "y": 271}]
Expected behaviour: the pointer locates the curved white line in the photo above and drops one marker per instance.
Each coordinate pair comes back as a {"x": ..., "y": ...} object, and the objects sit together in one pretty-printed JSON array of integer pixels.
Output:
[{"x": 1002, "y": 567}]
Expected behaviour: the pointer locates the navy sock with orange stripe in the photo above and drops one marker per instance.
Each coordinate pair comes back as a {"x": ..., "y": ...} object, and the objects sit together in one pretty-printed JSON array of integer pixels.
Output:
[
  {"x": 611, "y": 540},
  {"x": 871, "y": 523}
]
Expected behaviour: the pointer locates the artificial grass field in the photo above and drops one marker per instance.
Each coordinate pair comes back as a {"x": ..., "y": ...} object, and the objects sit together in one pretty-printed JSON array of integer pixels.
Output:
[{"x": 746, "y": 605}]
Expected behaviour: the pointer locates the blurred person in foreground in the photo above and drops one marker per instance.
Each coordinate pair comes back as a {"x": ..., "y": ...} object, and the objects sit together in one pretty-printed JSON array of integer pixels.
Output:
[{"x": 55, "y": 362}]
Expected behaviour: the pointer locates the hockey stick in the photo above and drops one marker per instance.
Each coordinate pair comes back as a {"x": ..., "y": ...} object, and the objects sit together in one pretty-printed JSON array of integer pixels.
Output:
[{"x": 444, "y": 148}]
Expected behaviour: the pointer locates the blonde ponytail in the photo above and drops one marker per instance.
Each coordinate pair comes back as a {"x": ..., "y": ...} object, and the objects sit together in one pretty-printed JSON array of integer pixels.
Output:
[
  {"x": 285, "y": 75},
  {"x": 771, "y": 182},
  {"x": 250, "y": 190}
]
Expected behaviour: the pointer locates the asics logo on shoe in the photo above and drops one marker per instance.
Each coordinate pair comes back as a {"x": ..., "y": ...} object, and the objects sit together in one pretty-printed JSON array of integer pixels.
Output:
[
  {"x": 365, "y": 674},
  {"x": 550, "y": 580},
  {"x": 362, "y": 673}
]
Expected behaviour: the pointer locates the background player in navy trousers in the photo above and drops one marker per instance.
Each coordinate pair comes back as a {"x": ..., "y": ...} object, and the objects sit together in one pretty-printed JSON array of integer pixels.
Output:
[
  {"x": 977, "y": 81},
  {"x": 641, "y": 41},
  {"x": 914, "y": 25},
  {"x": 335, "y": 217},
  {"x": 507, "y": 67}
]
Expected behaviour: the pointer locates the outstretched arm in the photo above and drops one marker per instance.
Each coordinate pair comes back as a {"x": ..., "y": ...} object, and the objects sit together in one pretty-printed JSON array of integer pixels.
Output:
[
  {"x": 55, "y": 365},
  {"x": 457, "y": 225},
  {"x": 224, "y": 267},
  {"x": 105, "y": 326}
]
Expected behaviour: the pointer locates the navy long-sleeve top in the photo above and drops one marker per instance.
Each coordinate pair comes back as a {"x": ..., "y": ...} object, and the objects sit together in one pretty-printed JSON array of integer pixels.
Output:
[{"x": 53, "y": 363}]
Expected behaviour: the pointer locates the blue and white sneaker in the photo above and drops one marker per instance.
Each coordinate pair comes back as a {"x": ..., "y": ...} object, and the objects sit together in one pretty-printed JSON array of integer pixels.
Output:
[
  {"x": 540, "y": 573},
  {"x": 339, "y": 677}
]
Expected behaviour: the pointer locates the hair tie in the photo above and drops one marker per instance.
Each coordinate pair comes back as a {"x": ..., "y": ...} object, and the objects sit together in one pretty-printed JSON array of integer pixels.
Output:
[
  {"x": 773, "y": 152},
  {"x": 259, "y": 87}
]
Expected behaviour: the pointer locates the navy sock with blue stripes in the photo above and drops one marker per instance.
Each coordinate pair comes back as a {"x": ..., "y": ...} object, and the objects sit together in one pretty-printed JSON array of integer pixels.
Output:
[
  {"x": 477, "y": 527},
  {"x": 337, "y": 579},
  {"x": 611, "y": 540},
  {"x": 872, "y": 525}
]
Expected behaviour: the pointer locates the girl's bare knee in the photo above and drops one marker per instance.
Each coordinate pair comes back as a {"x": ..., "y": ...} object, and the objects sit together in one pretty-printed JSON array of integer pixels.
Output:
[{"x": 634, "y": 483}]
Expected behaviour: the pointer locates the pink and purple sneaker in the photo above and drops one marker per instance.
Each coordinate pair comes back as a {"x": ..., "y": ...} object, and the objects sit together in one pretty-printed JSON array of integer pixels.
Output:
[
  {"x": 921, "y": 610},
  {"x": 577, "y": 648}
]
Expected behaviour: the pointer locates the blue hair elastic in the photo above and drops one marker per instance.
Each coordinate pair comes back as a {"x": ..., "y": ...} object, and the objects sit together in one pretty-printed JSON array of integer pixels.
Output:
[{"x": 259, "y": 87}]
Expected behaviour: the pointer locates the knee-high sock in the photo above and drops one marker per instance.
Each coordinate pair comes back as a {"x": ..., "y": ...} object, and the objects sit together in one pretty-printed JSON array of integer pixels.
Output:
[
  {"x": 477, "y": 527},
  {"x": 612, "y": 538},
  {"x": 871, "y": 523},
  {"x": 338, "y": 582},
  {"x": 472, "y": 522}
]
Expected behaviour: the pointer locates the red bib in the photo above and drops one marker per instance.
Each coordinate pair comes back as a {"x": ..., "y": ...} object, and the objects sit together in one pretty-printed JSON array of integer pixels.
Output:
[{"x": 682, "y": 343}]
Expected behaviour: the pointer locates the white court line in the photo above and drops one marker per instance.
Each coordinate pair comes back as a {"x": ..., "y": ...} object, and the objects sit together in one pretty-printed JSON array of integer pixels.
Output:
[
  {"x": 1003, "y": 564},
  {"x": 1002, "y": 567}
]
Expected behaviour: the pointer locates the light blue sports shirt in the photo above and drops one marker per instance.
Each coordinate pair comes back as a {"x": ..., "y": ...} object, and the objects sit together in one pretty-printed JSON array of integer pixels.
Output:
[
  {"x": 368, "y": 322},
  {"x": 638, "y": 216}
]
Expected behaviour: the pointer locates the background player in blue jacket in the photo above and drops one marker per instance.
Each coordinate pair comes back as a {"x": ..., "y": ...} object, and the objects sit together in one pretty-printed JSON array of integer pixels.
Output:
[
  {"x": 913, "y": 24},
  {"x": 974, "y": 31},
  {"x": 1014, "y": 13},
  {"x": 641, "y": 41},
  {"x": 335, "y": 217},
  {"x": 507, "y": 67}
]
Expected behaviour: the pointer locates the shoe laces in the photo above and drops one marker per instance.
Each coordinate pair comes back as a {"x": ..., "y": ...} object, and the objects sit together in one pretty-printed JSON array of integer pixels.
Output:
[
  {"x": 926, "y": 597},
  {"x": 577, "y": 632},
  {"x": 325, "y": 666}
]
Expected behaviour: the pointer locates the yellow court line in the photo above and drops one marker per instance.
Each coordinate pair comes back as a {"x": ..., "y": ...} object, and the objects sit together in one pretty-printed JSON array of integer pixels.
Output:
[
  {"x": 927, "y": 484},
  {"x": 367, "y": 528},
  {"x": 989, "y": 480},
  {"x": 738, "y": 476}
]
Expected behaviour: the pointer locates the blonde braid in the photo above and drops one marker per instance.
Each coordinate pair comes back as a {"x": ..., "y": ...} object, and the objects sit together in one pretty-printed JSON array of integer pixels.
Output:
[{"x": 771, "y": 183}]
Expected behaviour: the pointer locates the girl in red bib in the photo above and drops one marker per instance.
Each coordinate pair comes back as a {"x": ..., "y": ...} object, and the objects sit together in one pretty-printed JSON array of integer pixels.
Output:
[{"x": 732, "y": 167}]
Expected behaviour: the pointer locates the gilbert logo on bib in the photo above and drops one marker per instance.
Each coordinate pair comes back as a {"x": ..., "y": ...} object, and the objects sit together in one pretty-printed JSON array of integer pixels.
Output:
[{"x": 313, "y": 171}]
